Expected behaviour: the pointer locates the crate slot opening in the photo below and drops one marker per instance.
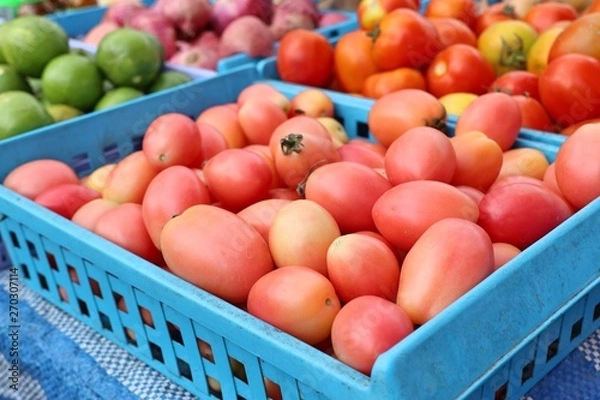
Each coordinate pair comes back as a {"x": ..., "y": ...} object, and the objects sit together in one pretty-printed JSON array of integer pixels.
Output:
[
  {"x": 25, "y": 271},
  {"x": 73, "y": 274},
  {"x": 552, "y": 350},
  {"x": 130, "y": 336},
  {"x": 156, "y": 352},
  {"x": 32, "y": 250},
  {"x": 51, "y": 261},
  {"x": 146, "y": 316},
  {"x": 111, "y": 153},
  {"x": 239, "y": 370},
  {"x": 64, "y": 297},
  {"x": 81, "y": 163},
  {"x": 95, "y": 286},
  {"x": 362, "y": 129},
  {"x": 43, "y": 281},
  {"x": 120, "y": 302},
  {"x": 105, "y": 321},
  {"x": 184, "y": 369},
  {"x": 596, "y": 312},
  {"x": 174, "y": 332},
  {"x": 500, "y": 393},
  {"x": 137, "y": 142},
  {"x": 527, "y": 371},
  {"x": 83, "y": 307},
  {"x": 273, "y": 389},
  {"x": 205, "y": 350},
  {"x": 14, "y": 240},
  {"x": 576, "y": 328}
]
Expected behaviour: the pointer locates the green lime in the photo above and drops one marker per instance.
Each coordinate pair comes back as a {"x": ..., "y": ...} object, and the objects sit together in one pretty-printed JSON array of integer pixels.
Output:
[
  {"x": 29, "y": 43},
  {"x": 117, "y": 96},
  {"x": 10, "y": 79},
  {"x": 2, "y": 30},
  {"x": 62, "y": 112},
  {"x": 20, "y": 112},
  {"x": 129, "y": 57},
  {"x": 167, "y": 80},
  {"x": 74, "y": 80}
]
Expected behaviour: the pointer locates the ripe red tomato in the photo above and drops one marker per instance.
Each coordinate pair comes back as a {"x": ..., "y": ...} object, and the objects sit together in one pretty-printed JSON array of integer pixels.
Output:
[
  {"x": 370, "y": 12},
  {"x": 381, "y": 83},
  {"x": 395, "y": 113},
  {"x": 348, "y": 191},
  {"x": 297, "y": 300},
  {"x": 353, "y": 62},
  {"x": 503, "y": 253},
  {"x": 33, "y": 177},
  {"x": 494, "y": 13},
  {"x": 87, "y": 215},
  {"x": 462, "y": 10},
  {"x": 569, "y": 89},
  {"x": 367, "y": 327},
  {"x": 404, "y": 38},
  {"x": 356, "y": 151},
  {"x": 452, "y": 31},
  {"x": 66, "y": 198},
  {"x": 261, "y": 214},
  {"x": 533, "y": 114},
  {"x": 579, "y": 36},
  {"x": 128, "y": 180},
  {"x": 517, "y": 82},
  {"x": 543, "y": 15},
  {"x": 459, "y": 68},
  {"x": 462, "y": 249},
  {"x": 523, "y": 161},
  {"x": 305, "y": 57},
  {"x": 258, "y": 118}
]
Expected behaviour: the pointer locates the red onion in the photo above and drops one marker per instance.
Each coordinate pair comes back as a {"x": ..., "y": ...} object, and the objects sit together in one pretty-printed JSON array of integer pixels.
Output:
[
  {"x": 196, "y": 57},
  {"x": 332, "y": 18},
  {"x": 294, "y": 14},
  {"x": 95, "y": 35},
  {"x": 190, "y": 17},
  {"x": 247, "y": 34},
  {"x": 226, "y": 11},
  {"x": 121, "y": 11},
  {"x": 152, "y": 22}
]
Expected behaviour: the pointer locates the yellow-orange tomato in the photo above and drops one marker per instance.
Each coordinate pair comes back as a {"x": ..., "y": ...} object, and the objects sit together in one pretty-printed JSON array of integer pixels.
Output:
[
  {"x": 215, "y": 250},
  {"x": 524, "y": 161},
  {"x": 128, "y": 180},
  {"x": 225, "y": 119},
  {"x": 301, "y": 234},
  {"x": 478, "y": 160},
  {"x": 33, "y": 177},
  {"x": 537, "y": 56},
  {"x": 296, "y": 299},
  {"x": 311, "y": 102},
  {"x": 462, "y": 249},
  {"x": 353, "y": 62},
  {"x": 381, "y": 83},
  {"x": 97, "y": 179}
]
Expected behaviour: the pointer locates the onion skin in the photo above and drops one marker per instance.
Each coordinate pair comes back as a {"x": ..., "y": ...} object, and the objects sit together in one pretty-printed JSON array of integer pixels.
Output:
[
  {"x": 248, "y": 35},
  {"x": 224, "y": 12},
  {"x": 190, "y": 17}
]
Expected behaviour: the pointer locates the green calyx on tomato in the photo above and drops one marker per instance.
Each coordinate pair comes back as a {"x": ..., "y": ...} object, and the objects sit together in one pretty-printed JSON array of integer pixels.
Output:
[
  {"x": 509, "y": 11},
  {"x": 438, "y": 123},
  {"x": 291, "y": 143},
  {"x": 513, "y": 56},
  {"x": 374, "y": 33}
]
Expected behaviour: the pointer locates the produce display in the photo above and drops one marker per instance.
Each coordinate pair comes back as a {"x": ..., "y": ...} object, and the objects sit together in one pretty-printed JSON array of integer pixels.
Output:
[
  {"x": 344, "y": 224},
  {"x": 199, "y": 33},
  {"x": 46, "y": 81},
  {"x": 51, "y": 6},
  {"x": 544, "y": 54}
]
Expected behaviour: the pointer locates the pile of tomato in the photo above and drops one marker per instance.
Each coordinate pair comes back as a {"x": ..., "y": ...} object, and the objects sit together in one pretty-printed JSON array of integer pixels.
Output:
[{"x": 546, "y": 56}]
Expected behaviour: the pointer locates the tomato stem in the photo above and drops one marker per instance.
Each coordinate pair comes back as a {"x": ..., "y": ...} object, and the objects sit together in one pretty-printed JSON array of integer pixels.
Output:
[
  {"x": 513, "y": 57},
  {"x": 291, "y": 143},
  {"x": 374, "y": 33}
]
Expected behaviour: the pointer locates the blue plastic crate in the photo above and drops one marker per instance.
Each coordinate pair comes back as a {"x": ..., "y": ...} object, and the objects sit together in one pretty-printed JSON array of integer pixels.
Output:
[
  {"x": 77, "y": 24},
  {"x": 494, "y": 342}
]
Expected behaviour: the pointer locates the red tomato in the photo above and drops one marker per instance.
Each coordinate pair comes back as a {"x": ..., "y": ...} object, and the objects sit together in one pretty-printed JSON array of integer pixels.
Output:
[
  {"x": 495, "y": 114},
  {"x": 420, "y": 153},
  {"x": 224, "y": 119},
  {"x": 297, "y": 300},
  {"x": 549, "y": 178},
  {"x": 358, "y": 264},
  {"x": 171, "y": 139},
  {"x": 87, "y": 215},
  {"x": 301, "y": 233},
  {"x": 365, "y": 328},
  {"x": 432, "y": 280},
  {"x": 260, "y": 90},
  {"x": 517, "y": 82},
  {"x": 305, "y": 57},
  {"x": 404, "y": 38},
  {"x": 261, "y": 214},
  {"x": 579, "y": 36},
  {"x": 212, "y": 142},
  {"x": 170, "y": 193},
  {"x": 569, "y": 89},
  {"x": 66, "y": 198},
  {"x": 370, "y": 12},
  {"x": 521, "y": 213},
  {"x": 578, "y": 166},
  {"x": 297, "y": 124},
  {"x": 404, "y": 212},
  {"x": 503, "y": 253},
  {"x": 241, "y": 169},
  {"x": 462, "y": 10},
  {"x": 459, "y": 68},
  {"x": 494, "y": 13},
  {"x": 533, "y": 114},
  {"x": 33, "y": 177},
  {"x": 348, "y": 191},
  {"x": 543, "y": 15},
  {"x": 258, "y": 118},
  {"x": 523, "y": 161},
  {"x": 478, "y": 160},
  {"x": 395, "y": 113},
  {"x": 353, "y": 62},
  {"x": 312, "y": 103},
  {"x": 569, "y": 130},
  {"x": 215, "y": 250},
  {"x": 452, "y": 31},
  {"x": 128, "y": 180},
  {"x": 475, "y": 194},
  {"x": 356, "y": 152},
  {"x": 264, "y": 151},
  {"x": 381, "y": 83},
  {"x": 124, "y": 226}
]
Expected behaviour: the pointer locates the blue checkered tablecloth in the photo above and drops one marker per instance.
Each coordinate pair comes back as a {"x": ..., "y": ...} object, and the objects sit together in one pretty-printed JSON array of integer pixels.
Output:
[{"x": 60, "y": 358}]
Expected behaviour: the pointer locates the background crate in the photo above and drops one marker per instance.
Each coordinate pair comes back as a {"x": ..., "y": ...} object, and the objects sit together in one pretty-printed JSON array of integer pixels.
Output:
[{"x": 494, "y": 342}]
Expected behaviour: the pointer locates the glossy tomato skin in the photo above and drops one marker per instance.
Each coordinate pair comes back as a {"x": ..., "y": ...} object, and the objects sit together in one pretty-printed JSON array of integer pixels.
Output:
[
  {"x": 420, "y": 153},
  {"x": 579, "y": 36},
  {"x": 358, "y": 264},
  {"x": 170, "y": 193},
  {"x": 533, "y": 114},
  {"x": 405, "y": 38},
  {"x": 379, "y": 84},
  {"x": 258, "y": 118},
  {"x": 404, "y": 212},
  {"x": 395, "y": 113},
  {"x": 354, "y": 151},
  {"x": 297, "y": 300},
  {"x": 459, "y": 68},
  {"x": 503, "y": 253},
  {"x": 432, "y": 280},
  {"x": 261, "y": 214},
  {"x": 517, "y": 83},
  {"x": 297, "y": 54},
  {"x": 33, "y": 177},
  {"x": 128, "y": 180},
  {"x": 569, "y": 90},
  {"x": 577, "y": 166},
  {"x": 521, "y": 213},
  {"x": 451, "y": 31},
  {"x": 542, "y": 16},
  {"x": 494, "y": 13},
  {"x": 87, "y": 215},
  {"x": 462, "y": 10},
  {"x": 523, "y": 161},
  {"x": 353, "y": 62},
  {"x": 365, "y": 328},
  {"x": 215, "y": 250},
  {"x": 348, "y": 191},
  {"x": 66, "y": 198},
  {"x": 370, "y": 12},
  {"x": 224, "y": 118}
]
